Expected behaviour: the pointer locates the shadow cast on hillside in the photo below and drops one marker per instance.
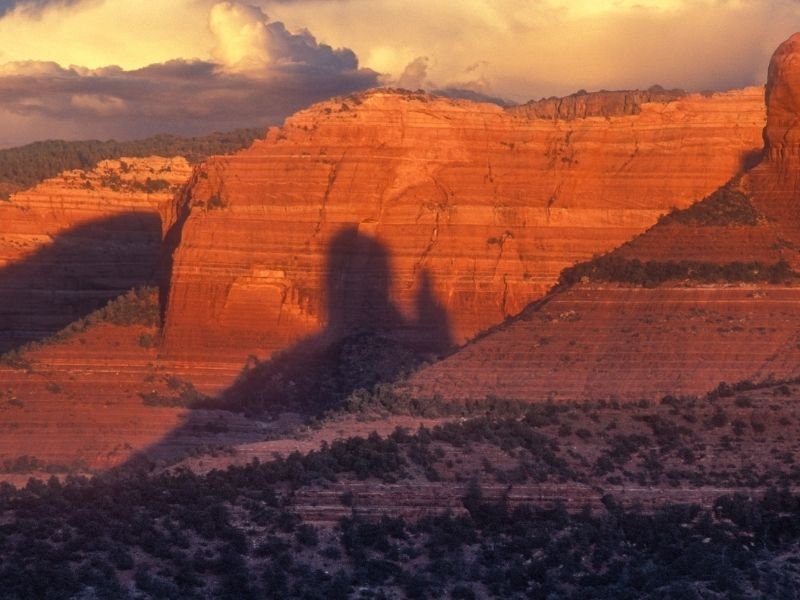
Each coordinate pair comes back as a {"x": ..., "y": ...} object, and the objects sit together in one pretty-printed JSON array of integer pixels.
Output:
[
  {"x": 78, "y": 272},
  {"x": 366, "y": 341},
  {"x": 750, "y": 160}
]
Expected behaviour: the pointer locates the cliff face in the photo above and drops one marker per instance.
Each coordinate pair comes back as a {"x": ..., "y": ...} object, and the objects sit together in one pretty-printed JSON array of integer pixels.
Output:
[
  {"x": 625, "y": 343},
  {"x": 434, "y": 218},
  {"x": 73, "y": 242},
  {"x": 617, "y": 340},
  {"x": 782, "y": 134},
  {"x": 596, "y": 104},
  {"x": 776, "y": 180}
]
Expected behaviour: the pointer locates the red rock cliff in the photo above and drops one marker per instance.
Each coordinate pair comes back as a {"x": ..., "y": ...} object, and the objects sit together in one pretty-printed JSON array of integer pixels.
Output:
[
  {"x": 776, "y": 180},
  {"x": 612, "y": 340},
  {"x": 74, "y": 241},
  {"x": 434, "y": 217}
]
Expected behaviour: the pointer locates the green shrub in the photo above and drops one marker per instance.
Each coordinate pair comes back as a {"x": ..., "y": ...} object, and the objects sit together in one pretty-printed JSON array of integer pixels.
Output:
[
  {"x": 136, "y": 307},
  {"x": 725, "y": 207},
  {"x": 16, "y": 360},
  {"x": 614, "y": 268},
  {"x": 215, "y": 203}
]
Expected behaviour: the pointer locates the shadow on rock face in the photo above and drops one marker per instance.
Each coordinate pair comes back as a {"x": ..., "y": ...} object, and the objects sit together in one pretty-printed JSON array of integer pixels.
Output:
[
  {"x": 78, "y": 272},
  {"x": 366, "y": 339}
]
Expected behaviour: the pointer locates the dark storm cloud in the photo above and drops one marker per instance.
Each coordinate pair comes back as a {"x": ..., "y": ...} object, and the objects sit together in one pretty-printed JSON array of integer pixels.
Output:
[{"x": 185, "y": 97}]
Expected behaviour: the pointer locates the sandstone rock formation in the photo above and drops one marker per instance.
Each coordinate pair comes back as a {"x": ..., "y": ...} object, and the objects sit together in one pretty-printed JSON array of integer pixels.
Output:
[
  {"x": 596, "y": 104},
  {"x": 434, "y": 218},
  {"x": 614, "y": 340},
  {"x": 80, "y": 405},
  {"x": 782, "y": 134},
  {"x": 428, "y": 217},
  {"x": 775, "y": 182},
  {"x": 73, "y": 242},
  {"x": 624, "y": 343}
]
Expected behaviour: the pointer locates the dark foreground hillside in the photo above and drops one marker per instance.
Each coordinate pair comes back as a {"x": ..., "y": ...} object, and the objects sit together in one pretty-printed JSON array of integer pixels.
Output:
[{"x": 241, "y": 533}]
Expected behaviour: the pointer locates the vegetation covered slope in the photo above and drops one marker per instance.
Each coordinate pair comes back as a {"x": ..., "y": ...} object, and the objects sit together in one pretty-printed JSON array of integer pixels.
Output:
[
  {"x": 237, "y": 534},
  {"x": 26, "y": 166}
]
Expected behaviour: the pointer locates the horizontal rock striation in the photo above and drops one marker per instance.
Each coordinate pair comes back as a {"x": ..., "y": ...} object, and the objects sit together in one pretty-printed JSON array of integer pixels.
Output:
[
  {"x": 617, "y": 342},
  {"x": 434, "y": 218},
  {"x": 596, "y": 104},
  {"x": 684, "y": 337},
  {"x": 73, "y": 242},
  {"x": 100, "y": 398}
]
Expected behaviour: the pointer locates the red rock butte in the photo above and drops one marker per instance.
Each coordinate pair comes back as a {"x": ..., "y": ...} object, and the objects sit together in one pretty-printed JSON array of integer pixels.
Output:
[
  {"x": 600, "y": 339},
  {"x": 435, "y": 219},
  {"x": 411, "y": 209},
  {"x": 782, "y": 135}
]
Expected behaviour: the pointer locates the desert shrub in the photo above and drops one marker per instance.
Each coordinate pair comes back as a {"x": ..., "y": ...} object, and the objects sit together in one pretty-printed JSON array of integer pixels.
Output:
[
  {"x": 306, "y": 535},
  {"x": 16, "y": 359},
  {"x": 136, "y": 307},
  {"x": 718, "y": 419},
  {"x": 614, "y": 268},
  {"x": 184, "y": 395},
  {"x": 725, "y": 207},
  {"x": 623, "y": 446},
  {"x": 739, "y": 427},
  {"x": 215, "y": 203},
  {"x": 151, "y": 186}
]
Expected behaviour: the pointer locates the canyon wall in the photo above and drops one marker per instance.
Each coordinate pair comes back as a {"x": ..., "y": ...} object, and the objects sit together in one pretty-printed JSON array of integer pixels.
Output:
[
  {"x": 620, "y": 341},
  {"x": 75, "y": 241},
  {"x": 596, "y": 104},
  {"x": 431, "y": 217}
]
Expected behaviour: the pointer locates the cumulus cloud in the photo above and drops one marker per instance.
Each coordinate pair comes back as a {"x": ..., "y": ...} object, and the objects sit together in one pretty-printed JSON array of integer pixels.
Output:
[
  {"x": 472, "y": 86},
  {"x": 260, "y": 74},
  {"x": 246, "y": 41},
  {"x": 241, "y": 34},
  {"x": 415, "y": 75}
]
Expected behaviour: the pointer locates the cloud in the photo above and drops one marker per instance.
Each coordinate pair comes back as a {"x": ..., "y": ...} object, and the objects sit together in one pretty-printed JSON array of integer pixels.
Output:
[
  {"x": 178, "y": 97},
  {"x": 211, "y": 64},
  {"x": 262, "y": 73},
  {"x": 534, "y": 48},
  {"x": 415, "y": 75},
  {"x": 243, "y": 39},
  {"x": 246, "y": 41}
]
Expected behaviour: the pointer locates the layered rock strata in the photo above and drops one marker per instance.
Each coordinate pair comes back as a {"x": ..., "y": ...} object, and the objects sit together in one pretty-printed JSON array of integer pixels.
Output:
[
  {"x": 73, "y": 242},
  {"x": 596, "y": 104},
  {"x": 433, "y": 218},
  {"x": 616, "y": 340},
  {"x": 99, "y": 399}
]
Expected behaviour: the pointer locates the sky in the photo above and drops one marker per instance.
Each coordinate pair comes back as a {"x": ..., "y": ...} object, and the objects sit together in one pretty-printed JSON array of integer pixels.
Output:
[{"x": 79, "y": 69}]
